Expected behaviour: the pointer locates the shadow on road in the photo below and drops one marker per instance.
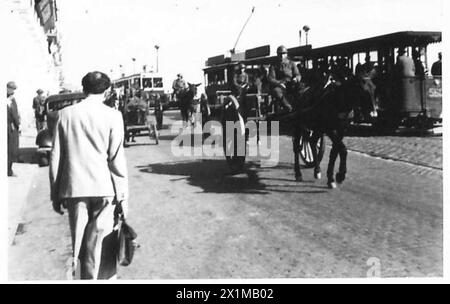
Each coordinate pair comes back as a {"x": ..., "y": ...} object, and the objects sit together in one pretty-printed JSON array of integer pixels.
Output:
[{"x": 212, "y": 176}]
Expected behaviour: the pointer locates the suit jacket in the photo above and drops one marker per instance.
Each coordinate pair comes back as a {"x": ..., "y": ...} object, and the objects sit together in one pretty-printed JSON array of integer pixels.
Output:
[{"x": 88, "y": 158}]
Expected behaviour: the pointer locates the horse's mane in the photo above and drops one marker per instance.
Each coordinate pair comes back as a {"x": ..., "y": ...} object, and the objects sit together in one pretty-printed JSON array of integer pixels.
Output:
[
  {"x": 321, "y": 100},
  {"x": 187, "y": 95}
]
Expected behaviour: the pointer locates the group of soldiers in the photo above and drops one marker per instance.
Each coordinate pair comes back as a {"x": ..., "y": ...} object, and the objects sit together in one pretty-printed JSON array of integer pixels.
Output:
[
  {"x": 281, "y": 79},
  {"x": 285, "y": 78}
]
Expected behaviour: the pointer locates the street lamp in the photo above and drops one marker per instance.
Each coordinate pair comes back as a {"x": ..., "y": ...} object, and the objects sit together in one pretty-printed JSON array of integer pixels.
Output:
[
  {"x": 121, "y": 71},
  {"x": 157, "y": 63},
  {"x": 306, "y": 29},
  {"x": 134, "y": 65}
]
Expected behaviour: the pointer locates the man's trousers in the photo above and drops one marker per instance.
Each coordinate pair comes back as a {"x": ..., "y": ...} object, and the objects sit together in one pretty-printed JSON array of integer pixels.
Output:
[{"x": 91, "y": 222}]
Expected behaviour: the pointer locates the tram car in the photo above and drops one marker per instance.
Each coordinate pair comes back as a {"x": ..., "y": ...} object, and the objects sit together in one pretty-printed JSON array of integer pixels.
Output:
[{"x": 397, "y": 100}]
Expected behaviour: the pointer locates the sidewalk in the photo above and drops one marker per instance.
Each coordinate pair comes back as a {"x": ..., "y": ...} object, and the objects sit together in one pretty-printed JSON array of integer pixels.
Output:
[
  {"x": 39, "y": 239},
  {"x": 20, "y": 185}
]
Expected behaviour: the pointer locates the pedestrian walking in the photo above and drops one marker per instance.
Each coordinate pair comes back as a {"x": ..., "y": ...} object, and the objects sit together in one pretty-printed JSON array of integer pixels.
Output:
[
  {"x": 39, "y": 109},
  {"x": 159, "y": 109},
  {"x": 88, "y": 176},
  {"x": 13, "y": 121}
]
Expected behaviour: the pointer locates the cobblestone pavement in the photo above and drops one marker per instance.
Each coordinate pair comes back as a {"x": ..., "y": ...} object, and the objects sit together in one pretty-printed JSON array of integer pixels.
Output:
[{"x": 424, "y": 151}]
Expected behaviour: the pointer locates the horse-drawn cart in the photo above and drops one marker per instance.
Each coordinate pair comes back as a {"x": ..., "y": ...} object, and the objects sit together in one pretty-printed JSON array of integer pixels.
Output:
[
  {"x": 257, "y": 108},
  {"x": 139, "y": 122}
]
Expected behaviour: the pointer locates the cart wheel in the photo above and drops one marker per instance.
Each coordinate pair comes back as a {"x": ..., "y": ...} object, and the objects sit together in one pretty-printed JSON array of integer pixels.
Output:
[{"x": 306, "y": 151}]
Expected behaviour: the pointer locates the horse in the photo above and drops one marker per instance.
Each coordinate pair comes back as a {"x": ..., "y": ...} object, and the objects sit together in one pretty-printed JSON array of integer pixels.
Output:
[
  {"x": 186, "y": 102},
  {"x": 324, "y": 111}
]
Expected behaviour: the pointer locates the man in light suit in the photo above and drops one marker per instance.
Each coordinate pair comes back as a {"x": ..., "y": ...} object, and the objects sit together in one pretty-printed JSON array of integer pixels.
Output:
[{"x": 88, "y": 176}]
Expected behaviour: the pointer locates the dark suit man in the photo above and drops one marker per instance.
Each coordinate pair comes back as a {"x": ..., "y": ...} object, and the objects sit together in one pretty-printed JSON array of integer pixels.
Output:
[
  {"x": 13, "y": 121},
  {"x": 88, "y": 175}
]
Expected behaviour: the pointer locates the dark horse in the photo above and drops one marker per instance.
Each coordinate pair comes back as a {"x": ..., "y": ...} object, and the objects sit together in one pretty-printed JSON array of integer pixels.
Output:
[
  {"x": 186, "y": 102},
  {"x": 325, "y": 111}
]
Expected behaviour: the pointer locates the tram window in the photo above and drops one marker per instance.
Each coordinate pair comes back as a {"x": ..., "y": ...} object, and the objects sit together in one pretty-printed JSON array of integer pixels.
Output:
[
  {"x": 147, "y": 82},
  {"x": 137, "y": 82},
  {"x": 158, "y": 83},
  {"x": 373, "y": 56}
]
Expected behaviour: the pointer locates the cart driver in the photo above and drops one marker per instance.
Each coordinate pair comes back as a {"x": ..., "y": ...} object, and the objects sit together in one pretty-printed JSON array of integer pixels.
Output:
[
  {"x": 240, "y": 86},
  {"x": 283, "y": 77},
  {"x": 240, "y": 82}
]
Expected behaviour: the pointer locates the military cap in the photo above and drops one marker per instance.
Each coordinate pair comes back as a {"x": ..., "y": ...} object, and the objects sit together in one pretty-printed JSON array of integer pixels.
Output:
[{"x": 282, "y": 50}]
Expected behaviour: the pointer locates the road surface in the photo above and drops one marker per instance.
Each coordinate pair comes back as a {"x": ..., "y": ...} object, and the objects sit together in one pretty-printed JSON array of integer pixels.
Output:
[{"x": 195, "y": 221}]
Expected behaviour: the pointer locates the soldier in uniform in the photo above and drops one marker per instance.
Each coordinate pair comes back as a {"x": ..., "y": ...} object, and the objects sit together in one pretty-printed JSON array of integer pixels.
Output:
[
  {"x": 240, "y": 85},
  {"x": 283, "y": 77},
  {"x": 178, "y": 86},
  {"x": 240, "y": 82}
]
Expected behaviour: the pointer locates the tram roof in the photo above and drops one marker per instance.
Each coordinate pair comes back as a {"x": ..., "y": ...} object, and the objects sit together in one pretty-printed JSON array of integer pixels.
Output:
[
  {"x": 398, "y": 39},
  {"x": 392, "y": 40}
]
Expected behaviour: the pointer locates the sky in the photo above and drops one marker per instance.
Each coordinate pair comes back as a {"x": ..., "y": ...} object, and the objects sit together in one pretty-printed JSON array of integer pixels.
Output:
[{"x": 104, "y": 34}]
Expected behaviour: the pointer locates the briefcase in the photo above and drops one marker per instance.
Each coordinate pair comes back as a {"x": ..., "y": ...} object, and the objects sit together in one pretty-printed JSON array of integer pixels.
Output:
[{"x": 127, "y": 243}]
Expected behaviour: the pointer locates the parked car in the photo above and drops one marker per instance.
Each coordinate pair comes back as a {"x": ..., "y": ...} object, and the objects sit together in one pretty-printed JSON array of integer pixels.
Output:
[{"x": 53, "y": 104}]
